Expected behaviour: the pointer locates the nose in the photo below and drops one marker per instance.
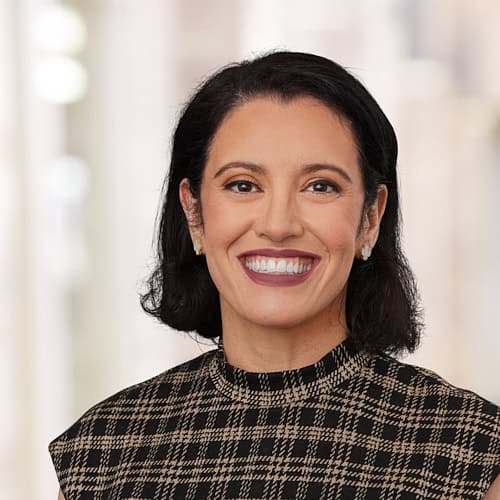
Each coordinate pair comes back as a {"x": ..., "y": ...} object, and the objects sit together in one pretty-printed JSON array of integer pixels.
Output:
[{"x": 279, "y": 218}]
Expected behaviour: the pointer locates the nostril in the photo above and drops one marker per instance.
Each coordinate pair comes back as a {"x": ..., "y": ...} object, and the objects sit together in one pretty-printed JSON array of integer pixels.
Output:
[{"x": 278, "y": 230}]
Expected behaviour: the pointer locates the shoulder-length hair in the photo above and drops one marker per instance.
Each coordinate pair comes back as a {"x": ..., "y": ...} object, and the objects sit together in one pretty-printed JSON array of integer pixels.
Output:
[{"x": 382, "y": 303}]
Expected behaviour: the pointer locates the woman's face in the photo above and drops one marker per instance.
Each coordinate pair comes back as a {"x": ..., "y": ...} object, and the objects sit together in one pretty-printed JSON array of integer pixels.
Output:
[{"x": 282, "y": 208}]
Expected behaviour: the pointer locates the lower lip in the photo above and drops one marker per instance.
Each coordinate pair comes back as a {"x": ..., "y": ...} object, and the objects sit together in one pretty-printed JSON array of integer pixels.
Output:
[{"x": 278, "y": 279}]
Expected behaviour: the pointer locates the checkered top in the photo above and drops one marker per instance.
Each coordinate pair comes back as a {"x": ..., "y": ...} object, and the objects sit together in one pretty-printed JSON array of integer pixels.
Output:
[{"x": 353, "y": 425}]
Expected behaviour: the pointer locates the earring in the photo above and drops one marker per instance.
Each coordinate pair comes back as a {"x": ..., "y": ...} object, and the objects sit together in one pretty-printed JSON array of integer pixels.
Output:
[
  {"x": 197, "y": 247},
  {"x": 366, "y": 251}
]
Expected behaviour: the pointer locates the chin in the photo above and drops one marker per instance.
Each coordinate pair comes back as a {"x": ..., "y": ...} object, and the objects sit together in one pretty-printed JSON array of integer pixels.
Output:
[{"x": 275, "y": 319}]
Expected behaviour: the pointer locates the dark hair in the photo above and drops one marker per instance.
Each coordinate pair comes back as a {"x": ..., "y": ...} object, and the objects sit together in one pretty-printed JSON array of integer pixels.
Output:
[{"x": 382, "y": 303}]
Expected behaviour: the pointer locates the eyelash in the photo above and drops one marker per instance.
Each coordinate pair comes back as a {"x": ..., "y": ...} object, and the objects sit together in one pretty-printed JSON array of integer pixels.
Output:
[{"x": 322, "y": 182}]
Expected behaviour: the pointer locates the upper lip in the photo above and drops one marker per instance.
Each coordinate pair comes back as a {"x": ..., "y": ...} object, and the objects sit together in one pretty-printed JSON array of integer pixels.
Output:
[{"x": 285, "y": 252}]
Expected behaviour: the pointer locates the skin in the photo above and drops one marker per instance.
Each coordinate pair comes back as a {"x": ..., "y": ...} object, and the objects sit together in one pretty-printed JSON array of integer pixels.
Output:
[
  {"x": 280, "y": 328},
  {"x": 494, "y": 492},
  {"x": 282, "y": 207}
]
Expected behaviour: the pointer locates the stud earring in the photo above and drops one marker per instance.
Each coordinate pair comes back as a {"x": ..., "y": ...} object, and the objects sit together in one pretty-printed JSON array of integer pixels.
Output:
[
  {"x": 197, "y": 247},
  {"x": 366, "y": 251}
]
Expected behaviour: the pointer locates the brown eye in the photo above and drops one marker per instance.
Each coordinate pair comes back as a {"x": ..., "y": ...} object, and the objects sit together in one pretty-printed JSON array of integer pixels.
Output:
[
  {"x": 322, "y": 187},
  {"x": 241, "y": 187}
]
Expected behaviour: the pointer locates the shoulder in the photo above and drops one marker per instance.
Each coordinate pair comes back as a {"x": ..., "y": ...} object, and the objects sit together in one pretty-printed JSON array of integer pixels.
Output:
[
  {"x": 435, "y": 404},
  {"x": 414, "y": 385},
  {"x": 115, "y": 415},
  {"x": 441, "y": 419}
]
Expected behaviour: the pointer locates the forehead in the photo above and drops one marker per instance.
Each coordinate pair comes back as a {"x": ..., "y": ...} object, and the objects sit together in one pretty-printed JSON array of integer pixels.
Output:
[{"x": 272, "y": 132}]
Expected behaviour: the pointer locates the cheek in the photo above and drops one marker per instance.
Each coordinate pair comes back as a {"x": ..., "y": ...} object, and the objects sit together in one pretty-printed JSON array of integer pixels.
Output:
[
  {"x": 222, "y": 224},
  {"x": 340, "y": 240},
  {"x": 337, "y": 230}
]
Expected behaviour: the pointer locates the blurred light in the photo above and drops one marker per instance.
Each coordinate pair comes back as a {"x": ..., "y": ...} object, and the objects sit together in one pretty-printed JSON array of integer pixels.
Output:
[
  {"x": 60, "y": 79},
  {"x": 61, "y": 29},
  {"x": 68, "y": 179},
  {"x": 423, "y": 78},
  {"x": 481, "y": 116},
  {"x": 326, "y": 15},
  {"x": 7, "y": 195}
]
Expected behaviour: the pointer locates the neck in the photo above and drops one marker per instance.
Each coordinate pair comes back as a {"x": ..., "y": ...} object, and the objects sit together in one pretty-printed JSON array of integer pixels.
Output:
[{"x": 261, "y": 348}]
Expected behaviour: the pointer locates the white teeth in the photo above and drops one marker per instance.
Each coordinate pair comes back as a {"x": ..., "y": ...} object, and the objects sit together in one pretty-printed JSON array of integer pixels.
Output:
[{"x": 281, "y": 266}]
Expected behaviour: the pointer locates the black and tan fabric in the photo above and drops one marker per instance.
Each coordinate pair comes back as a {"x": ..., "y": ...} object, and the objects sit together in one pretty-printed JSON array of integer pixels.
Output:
[{"x": 352, "y": 426}]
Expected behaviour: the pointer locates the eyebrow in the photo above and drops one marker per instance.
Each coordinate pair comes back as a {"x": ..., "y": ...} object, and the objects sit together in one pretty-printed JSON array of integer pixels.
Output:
[{"x": 310, "y": 168}]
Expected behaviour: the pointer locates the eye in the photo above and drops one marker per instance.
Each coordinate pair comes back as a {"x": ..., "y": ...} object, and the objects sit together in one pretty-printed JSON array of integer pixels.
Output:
[
  {"x": 241, "y": 187},
  {"x": 322, "y": 186}
]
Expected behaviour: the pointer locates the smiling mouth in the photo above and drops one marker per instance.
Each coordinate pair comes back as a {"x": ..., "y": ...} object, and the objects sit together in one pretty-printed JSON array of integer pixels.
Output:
[{"x": 294, "y": 266}]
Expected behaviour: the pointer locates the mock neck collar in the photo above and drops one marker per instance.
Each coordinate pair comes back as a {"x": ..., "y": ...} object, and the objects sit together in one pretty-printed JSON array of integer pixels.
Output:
[{"x": 343, "y": 361}]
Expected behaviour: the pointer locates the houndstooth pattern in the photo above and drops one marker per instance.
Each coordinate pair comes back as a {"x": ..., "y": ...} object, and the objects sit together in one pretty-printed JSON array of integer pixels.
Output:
[{"x": 352, "y": 426}]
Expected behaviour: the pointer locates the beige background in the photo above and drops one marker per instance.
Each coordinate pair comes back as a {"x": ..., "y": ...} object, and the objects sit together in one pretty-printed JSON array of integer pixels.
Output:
[{"x": 76, "y": 237}]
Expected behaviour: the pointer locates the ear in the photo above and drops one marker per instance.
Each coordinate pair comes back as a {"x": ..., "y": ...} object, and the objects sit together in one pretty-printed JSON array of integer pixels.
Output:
[
  {"x": 372, "y": 219},
  {"x": 191, "y": 211}
]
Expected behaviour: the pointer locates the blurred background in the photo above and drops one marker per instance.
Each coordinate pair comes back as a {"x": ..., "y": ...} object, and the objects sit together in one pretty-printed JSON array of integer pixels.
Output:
[{"x": 89, "y": 94}]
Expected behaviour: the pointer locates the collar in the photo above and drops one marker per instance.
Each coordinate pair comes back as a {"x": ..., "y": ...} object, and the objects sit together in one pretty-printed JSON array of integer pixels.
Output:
[{"x": 270, "y": 388}]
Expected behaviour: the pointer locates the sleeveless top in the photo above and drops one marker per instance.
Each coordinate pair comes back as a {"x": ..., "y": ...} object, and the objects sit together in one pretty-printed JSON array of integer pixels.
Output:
[{"x": 354, "y": 425}]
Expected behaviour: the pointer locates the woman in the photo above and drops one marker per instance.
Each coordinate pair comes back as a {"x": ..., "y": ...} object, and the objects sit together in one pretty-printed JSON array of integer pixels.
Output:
[{"x": 279, "y": 236}]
